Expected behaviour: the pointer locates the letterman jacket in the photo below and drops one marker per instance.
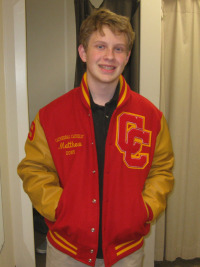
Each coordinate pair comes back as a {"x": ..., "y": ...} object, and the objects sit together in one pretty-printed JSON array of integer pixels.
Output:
[{"x": 60, "y": 173}]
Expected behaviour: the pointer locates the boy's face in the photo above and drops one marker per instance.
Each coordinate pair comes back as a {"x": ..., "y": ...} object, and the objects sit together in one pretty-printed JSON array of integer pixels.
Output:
[{"x": 106, "y": 56}]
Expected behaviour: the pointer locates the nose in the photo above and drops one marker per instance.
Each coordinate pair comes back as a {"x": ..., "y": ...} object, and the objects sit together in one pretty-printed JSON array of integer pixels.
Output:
[{"x": 109, "y": 54}]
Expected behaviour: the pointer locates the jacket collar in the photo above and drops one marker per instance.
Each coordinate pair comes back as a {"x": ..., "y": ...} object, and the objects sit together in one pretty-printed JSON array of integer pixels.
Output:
[{"x": 122, "y": 91}]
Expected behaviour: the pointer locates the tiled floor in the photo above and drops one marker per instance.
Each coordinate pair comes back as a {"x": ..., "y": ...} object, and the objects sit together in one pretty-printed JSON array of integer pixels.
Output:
[{"x": 41, "y": 258}]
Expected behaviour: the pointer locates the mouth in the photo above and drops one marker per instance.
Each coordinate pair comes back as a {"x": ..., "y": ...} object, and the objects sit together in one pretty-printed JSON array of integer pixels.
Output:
[{"x": 107, "y": 67}]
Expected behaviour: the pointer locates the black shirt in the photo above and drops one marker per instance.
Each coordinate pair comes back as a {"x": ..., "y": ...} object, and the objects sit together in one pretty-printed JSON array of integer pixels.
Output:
[{"x": 101, "y": 119}]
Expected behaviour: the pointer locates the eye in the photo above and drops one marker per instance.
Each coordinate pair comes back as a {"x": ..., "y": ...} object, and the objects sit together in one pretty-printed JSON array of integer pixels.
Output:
[
  {"x": 119, "y": 49},
  {"x": 100, "y": 47}
]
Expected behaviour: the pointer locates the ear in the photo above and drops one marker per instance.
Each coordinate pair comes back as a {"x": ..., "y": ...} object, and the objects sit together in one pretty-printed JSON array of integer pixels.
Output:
[{"x": 82, "y": 53}]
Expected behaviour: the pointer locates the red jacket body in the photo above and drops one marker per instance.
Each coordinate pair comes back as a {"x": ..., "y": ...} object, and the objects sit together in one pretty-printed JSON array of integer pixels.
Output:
[{"x": 60, "y": 173}]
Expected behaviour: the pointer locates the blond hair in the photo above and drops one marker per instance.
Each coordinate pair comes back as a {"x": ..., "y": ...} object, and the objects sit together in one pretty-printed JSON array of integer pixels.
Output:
[{"x": 104, "y": 17}]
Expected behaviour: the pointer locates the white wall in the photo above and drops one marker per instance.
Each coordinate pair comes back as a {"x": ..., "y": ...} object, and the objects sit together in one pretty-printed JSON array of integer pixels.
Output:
[{"x": 51, "y": 51}]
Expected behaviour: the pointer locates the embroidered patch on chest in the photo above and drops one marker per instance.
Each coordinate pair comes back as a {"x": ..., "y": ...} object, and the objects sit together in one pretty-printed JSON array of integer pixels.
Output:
[
  {"x": 131, "y": 138},
  {"x": 69, "y": 143}
]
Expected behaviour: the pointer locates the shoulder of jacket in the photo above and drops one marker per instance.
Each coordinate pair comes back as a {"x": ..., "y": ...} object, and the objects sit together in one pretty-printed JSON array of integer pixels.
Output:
[{"x": 144, "y": 103}]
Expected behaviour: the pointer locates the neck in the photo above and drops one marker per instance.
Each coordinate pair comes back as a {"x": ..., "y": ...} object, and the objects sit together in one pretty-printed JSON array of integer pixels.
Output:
[
  {"x": 101, "y": 98},
  {"x": 102, "y": 93}
]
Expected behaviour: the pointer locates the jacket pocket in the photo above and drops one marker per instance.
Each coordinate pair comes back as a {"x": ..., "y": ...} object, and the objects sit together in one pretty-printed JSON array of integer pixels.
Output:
[
  {"x": 142, "y": 216},
  {"x": 149, "y": 212},
  {"x": 59, "y": 207}
]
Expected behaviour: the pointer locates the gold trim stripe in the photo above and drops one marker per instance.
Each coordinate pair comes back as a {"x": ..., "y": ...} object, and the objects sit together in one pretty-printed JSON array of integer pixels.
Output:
[
  {"x": 121, "y": 83},
  {"x": 65, "y": 241},
  {"x": 125, "y": 90},
  {"x": 83, "y": 89},
  {"x": 63, "y": 246},
  {"x": 129, "y": 247},
  {"x": 124, "y": 244}
]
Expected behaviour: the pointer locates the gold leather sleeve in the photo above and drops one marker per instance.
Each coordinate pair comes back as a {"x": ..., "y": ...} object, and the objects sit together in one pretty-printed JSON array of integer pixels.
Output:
[
  {"x": 160, "y": 179},
  {"x": 38, "y": 173}
]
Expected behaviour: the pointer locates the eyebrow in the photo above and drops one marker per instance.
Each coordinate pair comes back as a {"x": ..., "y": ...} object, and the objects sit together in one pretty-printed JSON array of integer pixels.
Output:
[{"x": 102, "y": 42}]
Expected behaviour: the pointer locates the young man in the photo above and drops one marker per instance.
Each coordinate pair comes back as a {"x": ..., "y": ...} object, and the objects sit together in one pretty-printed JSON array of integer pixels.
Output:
[{"x": 99, "y": 159}]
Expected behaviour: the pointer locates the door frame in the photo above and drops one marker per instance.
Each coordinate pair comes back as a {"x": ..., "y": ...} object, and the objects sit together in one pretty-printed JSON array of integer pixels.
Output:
[{"x": 14, "y": 36}]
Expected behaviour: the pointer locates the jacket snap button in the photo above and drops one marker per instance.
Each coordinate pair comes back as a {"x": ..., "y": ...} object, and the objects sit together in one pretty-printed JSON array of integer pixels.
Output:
[
  {"x": 92, "y": 251},
  {"x": 92, "y": 230},
  {"x": 94, "y": 201},
  {"x": 90, "y": 260},
  {"x": 93, "y": 171}
]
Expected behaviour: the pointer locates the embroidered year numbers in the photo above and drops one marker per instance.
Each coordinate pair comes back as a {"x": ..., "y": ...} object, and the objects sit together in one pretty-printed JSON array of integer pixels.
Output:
[{"x": 131, "y": 138}]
